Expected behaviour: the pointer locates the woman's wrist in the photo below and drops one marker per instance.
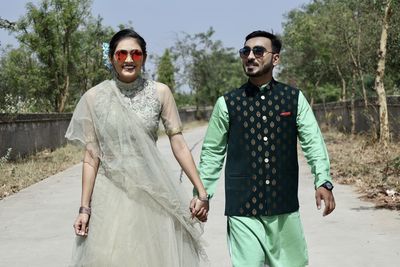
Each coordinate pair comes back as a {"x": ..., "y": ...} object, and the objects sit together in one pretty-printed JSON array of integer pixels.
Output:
[
  {"x": 203, "y": 196},
  {"x": 202, "y": 193},
  {"x": 203, "y": 199},
  {"x": 85, "y": 210}
]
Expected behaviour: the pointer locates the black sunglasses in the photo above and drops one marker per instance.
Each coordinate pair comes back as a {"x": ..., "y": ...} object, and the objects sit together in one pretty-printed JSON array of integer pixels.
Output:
[{"x": 258, "y": 51}]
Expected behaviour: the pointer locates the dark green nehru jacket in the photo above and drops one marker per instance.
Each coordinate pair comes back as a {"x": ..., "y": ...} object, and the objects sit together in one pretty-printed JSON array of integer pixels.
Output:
[{"x": 261, "y": 173}]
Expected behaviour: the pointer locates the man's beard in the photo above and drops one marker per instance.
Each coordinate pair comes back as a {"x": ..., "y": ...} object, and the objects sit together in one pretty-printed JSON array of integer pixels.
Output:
[{"x": 261, "y": 72}]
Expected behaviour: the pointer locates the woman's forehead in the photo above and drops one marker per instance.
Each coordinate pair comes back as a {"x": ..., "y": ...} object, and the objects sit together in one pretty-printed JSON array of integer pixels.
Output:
[{"x": 128, "y": 44}]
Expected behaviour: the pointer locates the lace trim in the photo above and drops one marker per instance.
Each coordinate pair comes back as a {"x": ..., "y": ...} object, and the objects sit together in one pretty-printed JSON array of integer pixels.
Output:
[
  {"x": 130, "y": 89},
  {"x": 143, "y": 99}
]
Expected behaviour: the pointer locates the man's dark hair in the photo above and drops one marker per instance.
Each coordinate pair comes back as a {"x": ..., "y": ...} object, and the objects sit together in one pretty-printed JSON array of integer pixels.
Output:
[{"x": 276, "y": 43}]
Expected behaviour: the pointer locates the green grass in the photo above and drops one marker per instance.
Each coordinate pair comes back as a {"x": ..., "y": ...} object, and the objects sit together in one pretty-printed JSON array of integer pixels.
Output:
[{"x": 21, "y": 173}]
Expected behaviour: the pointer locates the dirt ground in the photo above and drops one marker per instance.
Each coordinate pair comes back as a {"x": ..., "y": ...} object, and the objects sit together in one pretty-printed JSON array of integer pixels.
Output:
[{"x": 360, "y": 161}]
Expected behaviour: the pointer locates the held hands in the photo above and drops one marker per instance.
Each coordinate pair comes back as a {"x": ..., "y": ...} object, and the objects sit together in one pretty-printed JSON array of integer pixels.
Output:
[
  {"x": 199, "y": 208},
  {"x": 327, "y": 196}
]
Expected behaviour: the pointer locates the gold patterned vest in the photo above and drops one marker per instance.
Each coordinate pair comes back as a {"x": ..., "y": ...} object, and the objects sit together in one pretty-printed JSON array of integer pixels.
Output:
[{"x": 261, "y": 173}]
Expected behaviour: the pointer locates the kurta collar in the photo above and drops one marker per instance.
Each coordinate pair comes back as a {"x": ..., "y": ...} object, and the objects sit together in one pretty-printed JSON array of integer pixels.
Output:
[{"x": 253, "y": 89}]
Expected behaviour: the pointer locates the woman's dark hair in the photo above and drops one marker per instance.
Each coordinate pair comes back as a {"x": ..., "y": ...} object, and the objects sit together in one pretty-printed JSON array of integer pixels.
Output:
[
  {"x": 276, "y": 43},
  {"x": 123, "y": 34}
]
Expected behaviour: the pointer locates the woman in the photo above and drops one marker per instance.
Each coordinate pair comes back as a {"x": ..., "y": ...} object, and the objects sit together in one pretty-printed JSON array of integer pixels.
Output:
[{"x": 136, "y": 211}]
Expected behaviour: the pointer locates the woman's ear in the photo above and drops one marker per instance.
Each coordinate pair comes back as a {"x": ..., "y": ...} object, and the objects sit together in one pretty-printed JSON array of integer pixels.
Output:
[{"x": 144, "y": 62}]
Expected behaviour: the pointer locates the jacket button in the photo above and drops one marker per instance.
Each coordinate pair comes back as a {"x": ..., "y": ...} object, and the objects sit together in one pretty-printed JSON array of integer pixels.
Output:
[
  {"x": 267, "y": 182},
  {"x": 266, "y": 160},
  {"x": 263, "y": 97}
]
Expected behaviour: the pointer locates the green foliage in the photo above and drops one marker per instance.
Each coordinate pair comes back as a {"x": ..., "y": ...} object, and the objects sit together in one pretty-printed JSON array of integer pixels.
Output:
[
  {"x": 21, "y": 81},
  {"x": 88, "y": 61},
  {"x": 50, "y": 31},
  {"x": 184, "y": 100},
  {"x": 327, "y": 41},
  {"x": 166, "y": 70},
  {"x": 59, "y": 58},
  {"x": 208, "y": 67},
  {"x": 327, "y": 93}
]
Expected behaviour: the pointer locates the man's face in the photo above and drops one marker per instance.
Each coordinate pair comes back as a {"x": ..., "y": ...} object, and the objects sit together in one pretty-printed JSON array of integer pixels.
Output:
[{"x": 259, "y": 64}]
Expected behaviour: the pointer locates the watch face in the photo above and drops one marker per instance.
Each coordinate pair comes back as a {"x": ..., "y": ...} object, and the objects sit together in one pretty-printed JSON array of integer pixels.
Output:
[{"x": 328, "y": 185}]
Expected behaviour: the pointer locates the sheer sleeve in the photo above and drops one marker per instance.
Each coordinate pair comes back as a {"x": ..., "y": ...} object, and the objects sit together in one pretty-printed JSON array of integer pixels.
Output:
[
  {"x": 81, "y": 129},
  {"x": 169, "y": 111}
]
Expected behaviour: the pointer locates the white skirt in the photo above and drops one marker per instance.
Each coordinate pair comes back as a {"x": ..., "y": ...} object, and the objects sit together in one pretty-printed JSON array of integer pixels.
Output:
[{"x": 133, "y": 231}]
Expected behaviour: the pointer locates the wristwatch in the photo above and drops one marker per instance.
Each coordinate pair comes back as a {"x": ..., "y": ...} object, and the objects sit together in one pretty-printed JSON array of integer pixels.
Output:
[{"x": 327, "y": 185}]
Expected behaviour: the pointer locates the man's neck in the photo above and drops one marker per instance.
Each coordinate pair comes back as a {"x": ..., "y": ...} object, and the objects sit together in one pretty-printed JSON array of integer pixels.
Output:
[{"x": 258, "y": 81}]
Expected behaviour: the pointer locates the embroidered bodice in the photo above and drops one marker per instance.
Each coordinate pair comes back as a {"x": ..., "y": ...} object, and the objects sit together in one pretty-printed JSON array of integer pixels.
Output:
[{"x": 150, "y": 104}]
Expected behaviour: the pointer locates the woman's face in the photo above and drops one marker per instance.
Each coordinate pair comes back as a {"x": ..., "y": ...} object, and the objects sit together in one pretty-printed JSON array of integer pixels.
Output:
[{"x": 128, "y": 60}]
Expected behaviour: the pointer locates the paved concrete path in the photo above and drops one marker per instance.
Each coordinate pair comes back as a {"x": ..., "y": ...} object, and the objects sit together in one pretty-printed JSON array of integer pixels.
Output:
[{"x": 36, "y": 224}]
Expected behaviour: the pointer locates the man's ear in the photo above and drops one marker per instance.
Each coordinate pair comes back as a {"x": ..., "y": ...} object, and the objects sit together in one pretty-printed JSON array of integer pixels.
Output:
[{"x": 276, "y": 59}]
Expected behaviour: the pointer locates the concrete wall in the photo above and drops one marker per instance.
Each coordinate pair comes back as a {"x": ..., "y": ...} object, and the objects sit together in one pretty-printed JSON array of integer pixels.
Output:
[
  {"x": 337, "y": 114},
  {"x": 26, "y": 134}
]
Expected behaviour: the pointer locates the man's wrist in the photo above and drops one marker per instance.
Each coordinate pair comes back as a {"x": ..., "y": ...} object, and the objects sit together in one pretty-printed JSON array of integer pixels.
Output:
[{"x": 327, "y": 185}]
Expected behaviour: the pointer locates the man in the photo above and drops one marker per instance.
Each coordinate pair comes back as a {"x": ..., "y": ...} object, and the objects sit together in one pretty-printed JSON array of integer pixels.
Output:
[{"x": 257, "y": 126}]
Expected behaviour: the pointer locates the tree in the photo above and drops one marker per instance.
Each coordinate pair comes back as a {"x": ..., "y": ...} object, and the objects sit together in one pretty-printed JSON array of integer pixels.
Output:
[
  {"x": 88, "y": 68},
  {"x": 208, "y": 67},
  {"x": 20, "y": 75},
  {"x": 166, "y": 70},
  {"x": 380, "y": 73},
  {"x": 59, "y": 56},
  {"x": 51, "y": 31},
  {"x": 307, "y": 48}
]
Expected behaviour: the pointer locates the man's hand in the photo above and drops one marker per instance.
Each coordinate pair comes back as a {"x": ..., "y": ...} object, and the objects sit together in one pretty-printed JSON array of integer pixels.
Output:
[
  {"x": 199, "y": 209},
  {"x": 327, "y": 196}
]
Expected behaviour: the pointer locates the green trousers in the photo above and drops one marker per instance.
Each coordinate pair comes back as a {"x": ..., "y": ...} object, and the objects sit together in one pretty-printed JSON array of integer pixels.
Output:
[{"x": 275, "y": 241}]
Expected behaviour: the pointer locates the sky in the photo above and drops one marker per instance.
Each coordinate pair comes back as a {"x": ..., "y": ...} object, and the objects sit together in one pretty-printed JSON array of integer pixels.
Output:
[{"x": 160, "y": 22}]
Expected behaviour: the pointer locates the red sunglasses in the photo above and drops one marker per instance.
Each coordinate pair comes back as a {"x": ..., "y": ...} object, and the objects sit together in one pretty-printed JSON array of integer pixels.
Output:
[{"x": 122, "y": 54}]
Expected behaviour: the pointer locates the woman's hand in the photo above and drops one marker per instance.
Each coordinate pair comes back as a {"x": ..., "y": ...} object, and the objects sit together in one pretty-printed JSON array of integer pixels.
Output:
[
  {"x": 81, "y": 224},
  {"x": 199, "y": 209}
]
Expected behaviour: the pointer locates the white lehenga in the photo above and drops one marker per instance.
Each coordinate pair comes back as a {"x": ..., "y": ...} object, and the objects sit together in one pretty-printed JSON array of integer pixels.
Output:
[{"x": 140, "y": 212}]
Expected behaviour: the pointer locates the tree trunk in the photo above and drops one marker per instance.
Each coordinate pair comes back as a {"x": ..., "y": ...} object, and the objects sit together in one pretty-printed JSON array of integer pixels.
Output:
[
  {"x": 352, "y": 104},
  {"x": 343, "y": 93},
  {"x": 63, "y": 95},
  {"x": 380, "y": 73}
]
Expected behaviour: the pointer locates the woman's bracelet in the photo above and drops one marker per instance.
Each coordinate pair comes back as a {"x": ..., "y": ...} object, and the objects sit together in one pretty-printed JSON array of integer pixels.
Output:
[
  {"x": 85, "y": 210},
  {"x": 204, "y": 199}
]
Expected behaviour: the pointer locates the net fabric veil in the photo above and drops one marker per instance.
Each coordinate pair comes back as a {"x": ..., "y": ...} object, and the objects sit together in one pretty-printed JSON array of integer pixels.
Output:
[{"x": 138, "y": 208}]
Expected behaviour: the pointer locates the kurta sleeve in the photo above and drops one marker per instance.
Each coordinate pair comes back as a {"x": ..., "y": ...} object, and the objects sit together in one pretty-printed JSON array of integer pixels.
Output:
[
  {"x": 312, "y": 142},
  {"x": 81, "y": 128},
  {"x": 169, "y": 112},
  {"x": 214, "y": 147}
]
